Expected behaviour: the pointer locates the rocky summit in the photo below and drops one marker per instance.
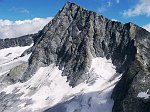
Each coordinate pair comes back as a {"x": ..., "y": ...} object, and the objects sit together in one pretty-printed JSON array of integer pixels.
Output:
[{"x": 79, "y": 62}]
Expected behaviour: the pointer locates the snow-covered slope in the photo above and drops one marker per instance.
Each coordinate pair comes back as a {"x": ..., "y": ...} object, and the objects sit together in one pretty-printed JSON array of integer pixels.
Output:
[
  {"x": 49, "y": 89},
  {"x": 9, "y": 57},
  {"x": 9, "y": 54}
]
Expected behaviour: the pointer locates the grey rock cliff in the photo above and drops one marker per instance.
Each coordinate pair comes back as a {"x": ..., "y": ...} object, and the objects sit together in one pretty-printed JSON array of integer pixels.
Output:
[
  {"x": 74, "y": 36},
  {"x": 13, "y": 42},
  {"x": 136, "y": 78}
]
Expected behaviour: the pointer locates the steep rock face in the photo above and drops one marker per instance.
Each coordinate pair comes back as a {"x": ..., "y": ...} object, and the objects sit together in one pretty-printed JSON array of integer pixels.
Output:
[
  {"x": 13, "y": 42},
  {"x": 135, "y": 79},
  {"x": 74, "y": 36}
]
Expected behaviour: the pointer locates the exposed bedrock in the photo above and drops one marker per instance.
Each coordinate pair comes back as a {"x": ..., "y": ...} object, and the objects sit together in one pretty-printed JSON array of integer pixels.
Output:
[{"x": 13, "y": 42}]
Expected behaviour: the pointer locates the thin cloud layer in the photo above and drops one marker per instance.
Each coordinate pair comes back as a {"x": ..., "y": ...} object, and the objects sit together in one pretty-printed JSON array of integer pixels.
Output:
[
  {"x": 141, "y": 8},
  {"x": 20, "y": 10},
  {"x": 117, "y": 1},
  {"x": 147, "y": 27},
  {"x": 105, "y": 6},
  {"x": 114, "y": 19},
  {"x": 12, "y": 29}
]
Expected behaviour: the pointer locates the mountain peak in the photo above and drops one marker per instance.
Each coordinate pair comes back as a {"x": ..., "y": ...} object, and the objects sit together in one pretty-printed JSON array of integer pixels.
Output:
[
  {"x": 72, "y": 6},
  {"x": 68, "y": 3}
]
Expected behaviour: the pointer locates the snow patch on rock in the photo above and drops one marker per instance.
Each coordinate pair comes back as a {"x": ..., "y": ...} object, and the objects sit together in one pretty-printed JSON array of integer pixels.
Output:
[{"x": 144, "y": 95}]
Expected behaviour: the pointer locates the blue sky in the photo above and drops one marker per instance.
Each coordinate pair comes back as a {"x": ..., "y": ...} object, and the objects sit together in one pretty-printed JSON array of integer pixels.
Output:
[
  {"x": 136, "y": 11},
  {"x": 28, "y": 9}
]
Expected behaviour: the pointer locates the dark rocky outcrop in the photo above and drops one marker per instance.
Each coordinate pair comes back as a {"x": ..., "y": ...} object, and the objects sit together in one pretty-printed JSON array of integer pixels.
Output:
[
  {"x": 136, "y": 78},
  {"x": 13, "y": 42}
]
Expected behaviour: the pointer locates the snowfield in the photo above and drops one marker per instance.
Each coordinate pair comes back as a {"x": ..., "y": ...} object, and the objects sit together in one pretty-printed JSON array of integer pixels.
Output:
[
  {"x": 9, "y": 58},
  {"x": 8, "y": 54},
  {"x": 47, "y": 89}
]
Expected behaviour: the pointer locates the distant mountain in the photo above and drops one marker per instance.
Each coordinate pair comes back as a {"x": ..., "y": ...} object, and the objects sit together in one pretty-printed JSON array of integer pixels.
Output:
[
  {"x": 19, "y": 41},
  {"x": 79, "y": 62}
]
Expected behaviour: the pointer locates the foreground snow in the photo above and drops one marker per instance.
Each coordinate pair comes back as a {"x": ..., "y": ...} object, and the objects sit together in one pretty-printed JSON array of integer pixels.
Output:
[{"x": 48, "y": 89}]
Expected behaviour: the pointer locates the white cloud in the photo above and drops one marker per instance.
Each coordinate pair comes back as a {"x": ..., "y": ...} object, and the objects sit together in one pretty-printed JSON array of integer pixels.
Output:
[
  {"x": 141, "y": 8},
  {"x": 117, "y": 1},
  {"x": 114, "y": 19},
  {"x": 5, "y": 23},
  {"x": 147, "y": 27},
  {"x": 12, "y": 29},
  {"x": 20, "y": 10},
  {"x": 25, "y": 11},
  {"x": 105, "y": 6},
  {"x": 109, "y": 4},
  {"x": 101, "y": 9}
]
